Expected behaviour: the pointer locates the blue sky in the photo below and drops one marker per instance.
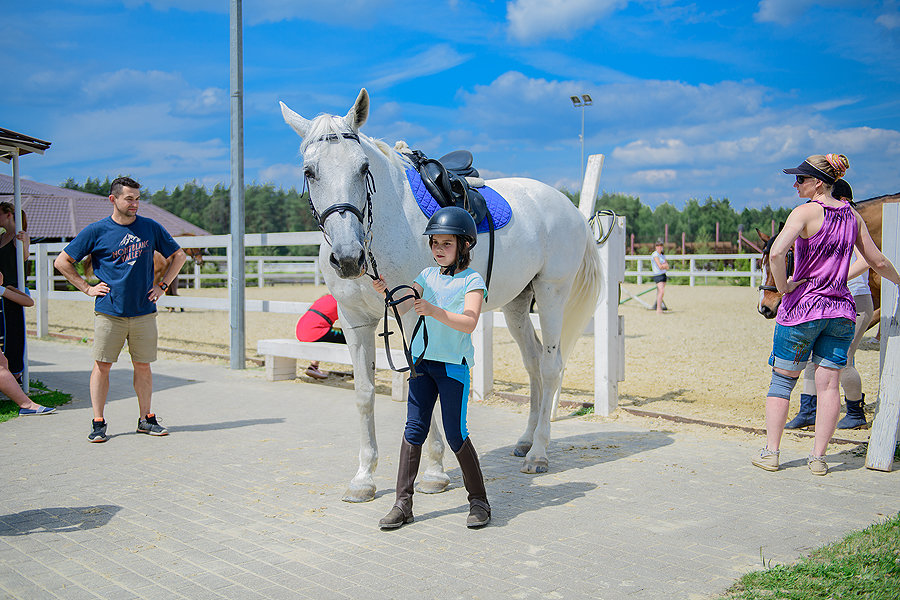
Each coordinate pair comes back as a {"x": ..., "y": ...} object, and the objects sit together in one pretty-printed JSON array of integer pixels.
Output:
[{"x": 691, "y": 99}]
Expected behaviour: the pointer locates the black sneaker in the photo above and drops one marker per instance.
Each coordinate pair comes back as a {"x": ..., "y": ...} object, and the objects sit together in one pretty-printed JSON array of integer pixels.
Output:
[
  {"x": 98, "y": 432},
  {"x": 150, "y": 426}
]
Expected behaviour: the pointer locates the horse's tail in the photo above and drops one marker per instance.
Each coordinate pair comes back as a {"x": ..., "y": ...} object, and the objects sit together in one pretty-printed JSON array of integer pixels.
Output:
[{"x": 582, "y": 300}]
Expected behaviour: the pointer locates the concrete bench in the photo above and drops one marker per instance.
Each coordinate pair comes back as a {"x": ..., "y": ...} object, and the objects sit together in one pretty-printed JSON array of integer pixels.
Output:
[{"x": 281, "y": 357}]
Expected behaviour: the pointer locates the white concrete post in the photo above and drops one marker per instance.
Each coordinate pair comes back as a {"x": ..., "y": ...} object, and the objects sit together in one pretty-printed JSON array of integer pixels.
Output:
[
  {"x": 693, "y": 268},
  {"x": 608, "y": 326},
  {"x": 883, "y": 441},
  {"x": 753, "y": 272},
  {"x": 196, "y": 276},
  {"x": 483, "y": 371},
  {"x": 42, "y": 270},
  {"x": 640, "y": 265},
  {"x": 590, "y": 185},
  {"x": 260, "y": 281}
]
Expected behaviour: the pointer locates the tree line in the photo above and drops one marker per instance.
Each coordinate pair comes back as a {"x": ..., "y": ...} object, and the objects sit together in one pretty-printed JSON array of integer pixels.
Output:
[{"x": 268, "y": 209}]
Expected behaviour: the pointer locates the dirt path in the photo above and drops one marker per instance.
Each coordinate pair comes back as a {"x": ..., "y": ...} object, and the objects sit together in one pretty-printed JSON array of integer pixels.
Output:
[{"x": 705, "y": 359}]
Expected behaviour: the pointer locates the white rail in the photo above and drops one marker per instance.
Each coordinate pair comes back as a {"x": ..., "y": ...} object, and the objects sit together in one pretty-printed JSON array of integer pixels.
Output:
[
  {"x": 608, "y": 332},
  {"x": 642, "y": 267}
]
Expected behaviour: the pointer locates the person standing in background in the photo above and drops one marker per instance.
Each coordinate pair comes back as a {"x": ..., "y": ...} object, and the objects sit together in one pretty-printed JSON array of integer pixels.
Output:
[{"x": 13, "y": 321}]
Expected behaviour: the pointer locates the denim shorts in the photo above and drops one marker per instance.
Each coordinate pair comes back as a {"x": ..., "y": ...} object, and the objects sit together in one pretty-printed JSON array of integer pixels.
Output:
[{"x": 828, "y": 340}]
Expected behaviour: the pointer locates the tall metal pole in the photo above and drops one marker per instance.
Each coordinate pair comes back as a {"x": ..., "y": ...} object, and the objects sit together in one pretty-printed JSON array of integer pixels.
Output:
[
  {"x": 582, "y": 145},
  {"x": 20, "y": 259},
  {"x": 236, "y": 278}
]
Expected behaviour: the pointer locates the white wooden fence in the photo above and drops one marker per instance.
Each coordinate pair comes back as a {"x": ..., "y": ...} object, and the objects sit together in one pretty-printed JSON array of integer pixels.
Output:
[
  {"x": 609, "y": 346},
  {"x": 642, "y": 267}
]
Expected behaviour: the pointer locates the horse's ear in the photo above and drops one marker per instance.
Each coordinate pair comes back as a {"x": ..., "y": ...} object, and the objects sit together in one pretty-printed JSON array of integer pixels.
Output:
[
  {"x": 297, "y": 123},
  {"x": 360, "y": 111},
  {"x": 763, "y": 237}
]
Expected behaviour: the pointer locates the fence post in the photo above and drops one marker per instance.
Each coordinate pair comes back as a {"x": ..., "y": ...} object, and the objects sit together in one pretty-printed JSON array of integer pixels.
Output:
[
  {"x": 318, "y": 272},
  {"x": 483, "y": 371},
  {"x": 260, "y": 281},
  {"x": 42, "y": 271},
  {"x": 693, "y": 267},
  {"x": 752, "y": 271},
  {"x": 640, "y": 278},
  {"x": 883, "y": 440},
  {"x": 608, "y": 327},
  {"x": 196, "y": 276}
]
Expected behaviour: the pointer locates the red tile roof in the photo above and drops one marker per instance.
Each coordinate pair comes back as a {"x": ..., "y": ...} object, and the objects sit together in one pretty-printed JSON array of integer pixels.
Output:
[{"x": 55, "y": 212}]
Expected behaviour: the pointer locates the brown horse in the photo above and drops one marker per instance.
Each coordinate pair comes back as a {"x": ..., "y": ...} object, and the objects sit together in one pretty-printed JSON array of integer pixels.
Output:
[{"x": 870, "y": 211}]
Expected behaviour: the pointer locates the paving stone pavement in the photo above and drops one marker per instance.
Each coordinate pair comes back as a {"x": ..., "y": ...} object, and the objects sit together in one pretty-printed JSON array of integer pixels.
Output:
[{"x": 242, "y": 501}]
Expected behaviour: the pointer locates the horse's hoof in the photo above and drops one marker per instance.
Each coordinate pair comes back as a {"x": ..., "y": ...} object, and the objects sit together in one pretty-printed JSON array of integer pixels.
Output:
[
  {"x": 534, "y": 466},
  {"x": 521, "y": 449},
  {"x": 360, "y": 494},
  {"x": 432, "y": 486}
]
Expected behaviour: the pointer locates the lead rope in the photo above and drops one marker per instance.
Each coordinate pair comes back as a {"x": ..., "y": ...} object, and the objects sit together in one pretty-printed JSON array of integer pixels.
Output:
[{"x": 390, "y": 302}]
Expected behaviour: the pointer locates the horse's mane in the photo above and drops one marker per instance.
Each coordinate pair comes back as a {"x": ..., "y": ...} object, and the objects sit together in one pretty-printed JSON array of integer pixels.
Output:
[{"x": 325, "y": 124}]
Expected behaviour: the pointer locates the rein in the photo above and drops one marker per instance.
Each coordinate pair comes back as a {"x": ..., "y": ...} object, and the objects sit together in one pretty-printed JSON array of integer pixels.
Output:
[
  {"x": 390, "y": 303},
  {"x": 788, "y": 260}
]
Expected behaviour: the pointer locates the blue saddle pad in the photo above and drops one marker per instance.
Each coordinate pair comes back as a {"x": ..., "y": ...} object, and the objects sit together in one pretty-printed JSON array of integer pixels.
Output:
[{"x": 496, "y": 204}]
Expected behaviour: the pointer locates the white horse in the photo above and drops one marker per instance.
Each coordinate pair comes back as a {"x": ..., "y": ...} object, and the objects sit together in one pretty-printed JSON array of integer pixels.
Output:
[{"x": 545, "y": 252}]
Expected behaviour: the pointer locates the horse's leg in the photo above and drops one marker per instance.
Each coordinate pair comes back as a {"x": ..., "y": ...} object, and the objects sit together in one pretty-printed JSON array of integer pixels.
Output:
[
  {"x": 433, "y": 480},
  {"x": 361, "y": 341},
  {"x": 521, "y": 329},
  {"x": 550, "y": 300}
]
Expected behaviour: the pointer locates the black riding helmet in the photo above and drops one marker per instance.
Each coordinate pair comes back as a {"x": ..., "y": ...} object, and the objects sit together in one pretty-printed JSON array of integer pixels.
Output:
[{"x": 453, "y": 220}]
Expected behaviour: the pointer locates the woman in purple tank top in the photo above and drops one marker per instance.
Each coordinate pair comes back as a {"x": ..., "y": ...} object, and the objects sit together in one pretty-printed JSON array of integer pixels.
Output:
[{"x": 816, "y": 316}]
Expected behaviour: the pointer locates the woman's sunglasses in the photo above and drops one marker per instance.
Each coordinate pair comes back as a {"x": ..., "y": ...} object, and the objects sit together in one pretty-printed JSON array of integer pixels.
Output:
[{"x": 802, "y": 178}]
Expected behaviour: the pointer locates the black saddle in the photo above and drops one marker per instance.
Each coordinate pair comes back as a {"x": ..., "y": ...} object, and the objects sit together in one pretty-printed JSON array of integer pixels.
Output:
[{"x": 445, "y": 180}]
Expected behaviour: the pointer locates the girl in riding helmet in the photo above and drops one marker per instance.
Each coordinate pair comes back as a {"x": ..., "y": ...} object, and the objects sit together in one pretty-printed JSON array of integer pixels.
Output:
[
  {"x": 451, "y": 296},
  {"x": 817, "y": 313}
]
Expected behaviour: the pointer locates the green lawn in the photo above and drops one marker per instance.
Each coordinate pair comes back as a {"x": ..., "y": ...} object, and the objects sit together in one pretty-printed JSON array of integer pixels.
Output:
[
  {"x": 865, "y": 565},
  {"x": 39, "y": 393}
]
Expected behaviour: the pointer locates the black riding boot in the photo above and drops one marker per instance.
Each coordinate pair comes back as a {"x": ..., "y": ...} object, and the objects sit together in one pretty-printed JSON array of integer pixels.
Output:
[
  {"x": 855, "y": 417},
  {"x": 807, "y": 415},
  {"x": 406, "y": 478},
  {"x": 479, "y": 509}
]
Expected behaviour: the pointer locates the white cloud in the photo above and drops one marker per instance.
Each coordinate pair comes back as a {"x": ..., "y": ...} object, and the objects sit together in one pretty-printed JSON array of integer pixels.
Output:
[
  {"x": 433, "y": 60},
  {"x": 534, "y": 20},
  {"x": 286, "y": 175},
  {"x": 786, "y": 12},
  {"x": 889, "y": 20},
  {"x": 653, "y": 177},
  {"x": 130, "y": 84},
  {"x": 204, "y": 102}
]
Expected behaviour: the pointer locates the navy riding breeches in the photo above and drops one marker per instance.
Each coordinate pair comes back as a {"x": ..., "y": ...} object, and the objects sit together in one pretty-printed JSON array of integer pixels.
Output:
[{"x": 449, "y": 381}]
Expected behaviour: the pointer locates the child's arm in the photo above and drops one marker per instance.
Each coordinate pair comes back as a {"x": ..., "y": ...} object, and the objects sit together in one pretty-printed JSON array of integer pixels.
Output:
[
  {"x": 464, "y": 322},
  {"x": 11, "y": 293},
  {"x": 381, "y": 287}
]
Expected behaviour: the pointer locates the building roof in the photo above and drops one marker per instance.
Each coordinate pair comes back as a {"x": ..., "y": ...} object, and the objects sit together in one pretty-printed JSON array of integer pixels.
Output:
[
  {"x": 12, "y": 142},
  {"x": 55, "y": 212}
]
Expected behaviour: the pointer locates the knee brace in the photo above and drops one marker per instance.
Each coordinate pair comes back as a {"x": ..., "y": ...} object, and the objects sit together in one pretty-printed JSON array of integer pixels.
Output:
[{"x": 782, "y": 385}]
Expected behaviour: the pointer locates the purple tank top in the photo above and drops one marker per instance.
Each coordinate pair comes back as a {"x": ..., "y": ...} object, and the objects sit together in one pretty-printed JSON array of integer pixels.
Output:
[{"x": 823, "y": 260}]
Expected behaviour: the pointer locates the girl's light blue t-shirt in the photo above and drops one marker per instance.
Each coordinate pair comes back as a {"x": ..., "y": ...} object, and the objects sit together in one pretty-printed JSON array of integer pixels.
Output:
[{"x": 446, "y": 344}]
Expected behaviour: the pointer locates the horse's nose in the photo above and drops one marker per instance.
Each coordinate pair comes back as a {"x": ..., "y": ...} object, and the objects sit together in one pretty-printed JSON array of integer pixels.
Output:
[
  {"x": 766, "y": 312},
  {"x": 349, "y": 266}
]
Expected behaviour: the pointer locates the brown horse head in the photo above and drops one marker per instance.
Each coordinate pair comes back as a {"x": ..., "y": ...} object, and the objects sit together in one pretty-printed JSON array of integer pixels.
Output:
[{"x": 769, "y": 296}]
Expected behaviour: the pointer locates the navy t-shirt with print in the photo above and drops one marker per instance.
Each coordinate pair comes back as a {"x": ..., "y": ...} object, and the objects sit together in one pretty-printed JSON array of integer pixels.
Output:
[{"x": 122, "y": 258}]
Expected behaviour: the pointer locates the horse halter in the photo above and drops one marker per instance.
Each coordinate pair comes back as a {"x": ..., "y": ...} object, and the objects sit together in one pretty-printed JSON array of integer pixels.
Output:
[
  {"x": 365, "y": 217},
  {"x": 788, "y": 264}
]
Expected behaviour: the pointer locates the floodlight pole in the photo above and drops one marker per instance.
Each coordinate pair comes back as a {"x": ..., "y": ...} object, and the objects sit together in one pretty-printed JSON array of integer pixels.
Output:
[
  {"x": 236, "y": 276},
  {"x": 582, "y": 101}
]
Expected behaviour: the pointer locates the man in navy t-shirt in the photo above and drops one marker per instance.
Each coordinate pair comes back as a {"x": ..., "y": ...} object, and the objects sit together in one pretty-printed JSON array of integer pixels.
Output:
[{"x": 121, "y": 247}]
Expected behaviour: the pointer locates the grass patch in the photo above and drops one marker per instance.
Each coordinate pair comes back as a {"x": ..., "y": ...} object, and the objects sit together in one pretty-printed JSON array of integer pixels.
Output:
[
  {"x": 584, "y": 410},
  {"x": 864, "y": 565},
  {"x": 40, "y": 393}
]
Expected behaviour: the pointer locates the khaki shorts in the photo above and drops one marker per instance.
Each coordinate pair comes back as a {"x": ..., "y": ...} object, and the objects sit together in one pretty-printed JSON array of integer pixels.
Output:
[{"x": 111, "y": 332}]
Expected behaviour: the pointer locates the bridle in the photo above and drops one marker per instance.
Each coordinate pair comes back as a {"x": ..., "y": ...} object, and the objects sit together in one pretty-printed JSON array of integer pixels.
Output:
[
  {"x": 788, "y": 260},
  {"x": 365, "y": 218}
]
